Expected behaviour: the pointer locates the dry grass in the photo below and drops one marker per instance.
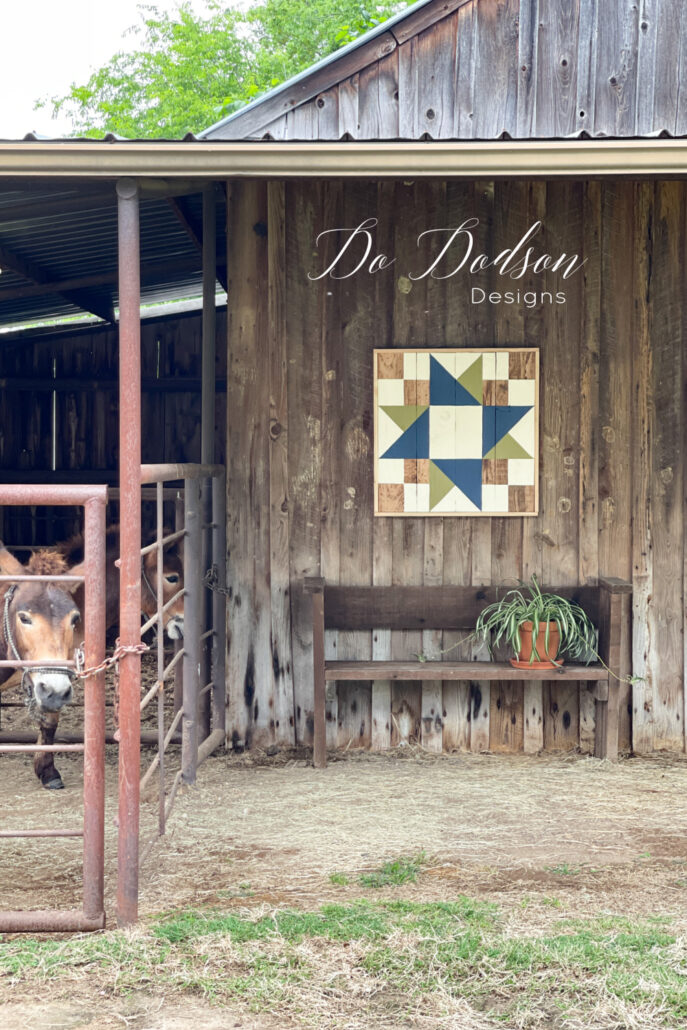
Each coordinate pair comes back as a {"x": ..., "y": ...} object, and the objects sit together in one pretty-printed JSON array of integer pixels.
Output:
[{"x": 561, "y": 845}]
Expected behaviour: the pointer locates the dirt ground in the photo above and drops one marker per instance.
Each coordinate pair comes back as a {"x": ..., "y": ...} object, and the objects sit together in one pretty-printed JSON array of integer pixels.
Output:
[{"x": 260, "y": 832}]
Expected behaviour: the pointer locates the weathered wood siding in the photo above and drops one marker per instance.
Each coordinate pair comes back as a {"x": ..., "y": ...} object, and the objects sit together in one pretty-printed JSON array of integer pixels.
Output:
[
  {"x": 84, "y": 370},
  {"x": 476, "y": 70},
  {"x": 300, "y": 446}
]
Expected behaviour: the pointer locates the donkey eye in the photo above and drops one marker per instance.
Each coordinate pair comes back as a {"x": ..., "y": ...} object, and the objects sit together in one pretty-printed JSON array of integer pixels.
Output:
[
  {"x": 173, "y": 578},
  {"x": 25, "y": 619},
  {"x": 76, "y": 618}
]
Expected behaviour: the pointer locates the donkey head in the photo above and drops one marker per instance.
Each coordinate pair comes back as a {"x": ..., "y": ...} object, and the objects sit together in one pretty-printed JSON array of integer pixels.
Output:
[
  {"x": 38, "y": 622},
  {"x": 172, "y": 583}
]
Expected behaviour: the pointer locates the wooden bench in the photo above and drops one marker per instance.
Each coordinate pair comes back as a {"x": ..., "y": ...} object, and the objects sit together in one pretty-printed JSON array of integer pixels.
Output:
[{"x": 354, "y": 608}]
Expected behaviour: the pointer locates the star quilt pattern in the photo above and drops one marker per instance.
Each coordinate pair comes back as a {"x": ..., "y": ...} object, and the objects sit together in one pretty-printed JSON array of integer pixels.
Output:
[{"x": 456, "y": 432}]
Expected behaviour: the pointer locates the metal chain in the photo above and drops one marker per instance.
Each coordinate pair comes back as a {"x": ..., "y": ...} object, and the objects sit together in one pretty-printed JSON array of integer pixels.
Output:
[
  {"x": 119, "y": 651},
  {"x": 211, "y": 580}
]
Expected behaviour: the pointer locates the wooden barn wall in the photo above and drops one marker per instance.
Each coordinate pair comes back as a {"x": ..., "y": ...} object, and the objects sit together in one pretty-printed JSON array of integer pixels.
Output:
[
  {"x": 529, "y": 69},
  {"x": 299, "y": 439},
  {"x": 84, "y": 370}
]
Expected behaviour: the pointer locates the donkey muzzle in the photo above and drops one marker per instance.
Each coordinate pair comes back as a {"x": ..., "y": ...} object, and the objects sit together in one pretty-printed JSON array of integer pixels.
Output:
[{"x": 52, "y": 690}]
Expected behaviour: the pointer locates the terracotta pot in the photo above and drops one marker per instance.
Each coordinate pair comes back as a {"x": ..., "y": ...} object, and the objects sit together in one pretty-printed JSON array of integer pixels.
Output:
[{"x": 547, "y": 659}]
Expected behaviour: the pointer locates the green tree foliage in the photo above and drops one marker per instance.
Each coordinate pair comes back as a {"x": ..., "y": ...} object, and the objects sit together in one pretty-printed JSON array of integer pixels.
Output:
[{"x": 190, "y": 69}]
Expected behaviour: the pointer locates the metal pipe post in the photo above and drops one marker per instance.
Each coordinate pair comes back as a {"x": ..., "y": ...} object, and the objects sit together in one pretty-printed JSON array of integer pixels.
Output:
[
  {"x": 192, "y": 628},
  {"x": 207, "y": 418},
  {"x": 160, "y": 658},
  {"x": 219, "y": 602},
  {"x": 130, "y": 546},
  {"x": 94, "y": 711},
  {"x": 178, "y": 644}
]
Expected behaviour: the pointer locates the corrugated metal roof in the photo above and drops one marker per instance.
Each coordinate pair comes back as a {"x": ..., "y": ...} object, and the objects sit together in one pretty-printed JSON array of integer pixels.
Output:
[{"x": 58, "y": 250}]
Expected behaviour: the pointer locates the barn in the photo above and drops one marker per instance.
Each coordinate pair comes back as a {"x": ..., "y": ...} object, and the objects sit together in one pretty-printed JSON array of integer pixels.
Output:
[{"x": 477, "y": 176}]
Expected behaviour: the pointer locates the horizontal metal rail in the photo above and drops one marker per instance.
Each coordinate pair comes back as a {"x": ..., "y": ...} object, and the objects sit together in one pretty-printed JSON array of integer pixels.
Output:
[
  {"x": 166, "y": 541},
  {"x": 48, "y": 748},
  {"x": 4, "y": 834},
  {"x": 168, "y": 738},
  {"x": 154, "y": 618},
  {"x": 145, "y": 701},
  {"x": 162, "y": 473},
  {"x": 66, "y": 578},
  {"x": 50, "y": 921},
  {"x": 21, "y": 663}
]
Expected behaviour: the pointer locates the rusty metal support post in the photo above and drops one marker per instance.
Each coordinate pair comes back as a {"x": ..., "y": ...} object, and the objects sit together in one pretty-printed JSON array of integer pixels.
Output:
[
  {"x": 193, "y": 589},
  {"x": 130, "y": 546},
  {"x": 178, "y": 644},
  {"x": 94, "y": 712},
  {"x": 207, "y": 422},
  {"x": 160, "y": 657},
  {"x": 219, "y": 602}
]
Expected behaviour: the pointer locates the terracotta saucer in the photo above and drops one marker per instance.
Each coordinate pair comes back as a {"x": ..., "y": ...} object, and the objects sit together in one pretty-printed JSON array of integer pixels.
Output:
[{"x": 534, "y": 665}]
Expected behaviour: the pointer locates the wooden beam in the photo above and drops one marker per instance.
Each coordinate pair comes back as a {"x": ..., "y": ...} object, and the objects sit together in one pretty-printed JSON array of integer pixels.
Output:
[
  {"x": 81, "y": 297},
  {"x": 86, "y": 384},
  {"x": 150, "y": 275},
  {"x": 195, "y": 231}
]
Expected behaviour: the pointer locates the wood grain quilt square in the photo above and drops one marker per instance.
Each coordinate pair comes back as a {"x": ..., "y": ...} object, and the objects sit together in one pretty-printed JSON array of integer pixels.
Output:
[
  {"x": 416, "y": 470},
  {"x": 522, "y": 364},
  {"x": 521, "y": 499},
  {"x": 390, "y": 365},
  {"x": 495, "y": 471},
  {"x": 416, "y": 391},
  {"x": 495, "y": 391},
  {"x": 390, "y": 498}
]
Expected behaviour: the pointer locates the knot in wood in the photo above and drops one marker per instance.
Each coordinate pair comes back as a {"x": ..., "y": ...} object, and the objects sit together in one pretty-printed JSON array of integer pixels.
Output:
[{"x": 276, "y": 430}]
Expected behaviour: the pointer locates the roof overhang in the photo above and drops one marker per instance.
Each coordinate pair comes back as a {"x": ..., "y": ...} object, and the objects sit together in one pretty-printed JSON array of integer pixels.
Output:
[{"x": 199, "y": 160}]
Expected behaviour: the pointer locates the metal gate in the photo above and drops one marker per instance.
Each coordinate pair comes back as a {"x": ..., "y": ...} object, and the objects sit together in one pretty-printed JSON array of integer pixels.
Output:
[{"x": 91, "y": 916}]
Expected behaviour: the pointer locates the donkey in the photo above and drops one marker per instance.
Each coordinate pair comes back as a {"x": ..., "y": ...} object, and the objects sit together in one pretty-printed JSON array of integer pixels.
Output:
[
  {"x": 172, "y": 581},
  {"x": 39, "y": 623}
]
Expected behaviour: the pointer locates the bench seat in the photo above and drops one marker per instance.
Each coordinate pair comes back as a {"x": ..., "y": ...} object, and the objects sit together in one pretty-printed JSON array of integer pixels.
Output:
[{"x": 382, "y": 670}]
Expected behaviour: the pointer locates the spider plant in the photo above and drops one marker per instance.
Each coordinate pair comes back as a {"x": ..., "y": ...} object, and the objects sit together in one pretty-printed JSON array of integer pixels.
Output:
[{"x": 501, "y": 621}]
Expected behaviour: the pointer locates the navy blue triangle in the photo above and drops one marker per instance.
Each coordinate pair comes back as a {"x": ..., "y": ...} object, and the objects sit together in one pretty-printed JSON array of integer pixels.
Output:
[
  {"x": 466, "y": 473},
  {"x": 444, "y": 389},
  {"x": 498, "y": 420},
  {"x": 414, "y": 442}
]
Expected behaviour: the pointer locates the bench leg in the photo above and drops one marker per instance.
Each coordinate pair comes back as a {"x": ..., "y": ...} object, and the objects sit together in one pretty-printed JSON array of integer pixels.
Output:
[
  {"x": 319, "y": 713},
  {"x": 606, "y": 731}
]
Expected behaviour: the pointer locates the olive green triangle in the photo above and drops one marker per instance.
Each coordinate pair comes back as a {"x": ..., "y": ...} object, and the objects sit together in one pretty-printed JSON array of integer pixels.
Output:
[
  {"x": 404, "y": 414},
  {"x": 471, "y": 379},
  {"x": 507, "y": 447},
  {"x": 439, "y": 485}
]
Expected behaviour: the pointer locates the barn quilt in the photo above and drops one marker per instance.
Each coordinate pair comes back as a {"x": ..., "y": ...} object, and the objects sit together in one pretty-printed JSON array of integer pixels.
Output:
[{"x": 456, "y": 432}]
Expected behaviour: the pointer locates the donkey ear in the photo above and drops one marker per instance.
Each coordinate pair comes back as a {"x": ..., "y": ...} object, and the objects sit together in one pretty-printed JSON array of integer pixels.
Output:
[
  {"x": 9, "y": 565},
  {"x": 76, "y": 570}
]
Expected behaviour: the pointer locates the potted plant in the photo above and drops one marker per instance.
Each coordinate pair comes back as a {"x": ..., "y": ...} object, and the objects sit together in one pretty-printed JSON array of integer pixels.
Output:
[{"x": 540, "y": 627}]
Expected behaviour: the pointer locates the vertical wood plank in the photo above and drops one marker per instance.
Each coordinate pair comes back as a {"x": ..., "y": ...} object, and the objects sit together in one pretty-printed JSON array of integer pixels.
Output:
[
  {"x": 282, "y": 701},
  {"x": 304, "y": 314},
  {"x": 248, "y": 484}
]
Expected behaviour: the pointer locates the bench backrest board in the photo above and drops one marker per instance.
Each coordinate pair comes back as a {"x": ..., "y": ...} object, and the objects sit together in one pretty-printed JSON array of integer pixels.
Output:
[{"x": 425, "y": 607}]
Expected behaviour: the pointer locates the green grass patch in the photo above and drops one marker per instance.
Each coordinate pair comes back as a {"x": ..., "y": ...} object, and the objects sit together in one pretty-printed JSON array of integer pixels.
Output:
[
  {"x": 339, "y": 879},
  {"x": 457, "y": 949},
  {"x": 394, "y": 873}
]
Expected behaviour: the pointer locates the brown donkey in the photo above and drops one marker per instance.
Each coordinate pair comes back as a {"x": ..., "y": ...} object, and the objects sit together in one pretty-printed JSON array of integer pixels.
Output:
[
  {"x": 38, "y": 624},
  {"x": 172, "y": 581}
]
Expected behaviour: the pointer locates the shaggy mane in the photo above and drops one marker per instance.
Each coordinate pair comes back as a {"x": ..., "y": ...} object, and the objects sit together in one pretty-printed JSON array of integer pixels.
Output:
[{"x": 47, "y": 563}]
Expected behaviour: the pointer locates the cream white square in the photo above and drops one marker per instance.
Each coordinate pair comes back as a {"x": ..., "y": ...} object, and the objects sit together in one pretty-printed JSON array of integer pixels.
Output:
[
  {"x": 422, "y": 370},
  {"x": 502, "y": 363},
  {"x": 489, "y": 366},
  {"x": 410, "y": 365},
  {"x": 390, "y": 470},
  {"x": 390, "y": 391},
  {"x": 416, "y": 497},
  {"x": 455, "y": 432},
  {"x": 521, "y": 391},
  {"x": 520, "y": 472},
  {"x": 494, "y": 498}
]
